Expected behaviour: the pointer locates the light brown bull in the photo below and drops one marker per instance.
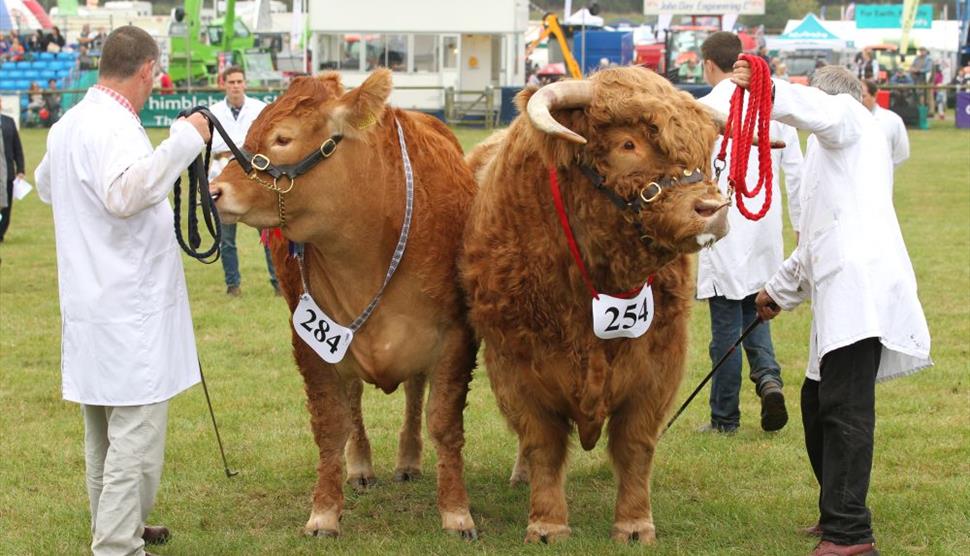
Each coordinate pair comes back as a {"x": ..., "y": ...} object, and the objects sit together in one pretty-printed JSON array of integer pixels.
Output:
[
  {"x": 530, "y": 304},
  {"x": 348, "y": 212}
]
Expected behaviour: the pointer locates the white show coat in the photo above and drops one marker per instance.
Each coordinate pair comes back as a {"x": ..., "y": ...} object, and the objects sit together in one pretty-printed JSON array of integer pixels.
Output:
[
  {"x": 237, "y": 128},
  {"x": 740, "y": 263},
  {"x": 126, "y": 330},
  {"x": 895, "y": 130},
  {"x": 851, "y": 260}
]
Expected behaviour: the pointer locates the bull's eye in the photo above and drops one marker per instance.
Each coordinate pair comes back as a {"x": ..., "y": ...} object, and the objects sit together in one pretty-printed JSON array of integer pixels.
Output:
[
  {"x": 629, "y": 145},
  {"x": 282, "y": 141}
]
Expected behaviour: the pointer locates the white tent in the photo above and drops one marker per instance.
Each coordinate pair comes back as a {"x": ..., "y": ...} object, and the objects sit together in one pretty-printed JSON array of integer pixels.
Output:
[{"x": 583, "y": 17}]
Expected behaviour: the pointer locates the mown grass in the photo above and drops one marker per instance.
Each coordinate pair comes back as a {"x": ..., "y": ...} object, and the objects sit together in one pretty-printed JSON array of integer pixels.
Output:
[{"x": 743, "y": 494}]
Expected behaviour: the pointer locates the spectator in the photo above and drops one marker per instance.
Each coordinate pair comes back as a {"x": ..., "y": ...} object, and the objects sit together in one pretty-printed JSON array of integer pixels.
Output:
[
  {"x": 14, "y": 158},
  {"x": 164, "y": 83},
  {"x": 52, "y": 102},
  {"x": 36, "y": 101},
  {"x": 939, "y": 93},
  {"x": 4, "y": 46},
  {"x": 84, "y": 59},
  {"x": 690, "y": 71},
  {"x": 55, "y": 40},
  {"x": 781, "y": 72},
  {"x": 127, "y": 345},
  {"x": 16, "y": 52},
  {"x": 868, "y": 66},
  {"x": 85, "y": 38},
  {"x": 39, "y": 42},
  {"x": 920, "y": 67},
  {"x": 962, "y": 78},
  {"x": 900, "y": 77}
]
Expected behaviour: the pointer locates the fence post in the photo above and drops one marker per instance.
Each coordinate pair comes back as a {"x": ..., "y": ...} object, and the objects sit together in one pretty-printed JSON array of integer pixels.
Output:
[
  {"x": 489, "y": 107},
  {"x": 449, "y": 104}
]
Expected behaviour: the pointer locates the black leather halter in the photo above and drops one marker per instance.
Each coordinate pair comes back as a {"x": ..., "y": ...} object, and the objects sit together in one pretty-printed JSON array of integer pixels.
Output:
[{"x": 647, "y": 195}]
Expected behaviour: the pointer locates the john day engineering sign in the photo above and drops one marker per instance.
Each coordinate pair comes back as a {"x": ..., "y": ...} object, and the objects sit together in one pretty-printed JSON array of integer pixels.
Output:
[
  {"x": 704, "y": 7},
  {"x": 161, "y": 110}
]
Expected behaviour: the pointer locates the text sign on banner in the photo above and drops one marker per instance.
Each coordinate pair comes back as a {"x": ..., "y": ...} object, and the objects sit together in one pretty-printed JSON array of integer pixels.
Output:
[
  {"x": 704, "y": 7},
  {"x": 161, "y": 110},
  {"x": 889, "y": 16}
]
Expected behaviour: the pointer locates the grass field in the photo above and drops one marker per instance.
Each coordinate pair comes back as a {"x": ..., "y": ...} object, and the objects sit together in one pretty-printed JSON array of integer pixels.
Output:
[{"x": 743, "y": 494}]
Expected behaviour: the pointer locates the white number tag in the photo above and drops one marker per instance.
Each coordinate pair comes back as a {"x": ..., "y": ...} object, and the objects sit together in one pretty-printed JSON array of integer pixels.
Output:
[
  {"x": 320, "y": 332},
  {"x": 623, "y": 318}
]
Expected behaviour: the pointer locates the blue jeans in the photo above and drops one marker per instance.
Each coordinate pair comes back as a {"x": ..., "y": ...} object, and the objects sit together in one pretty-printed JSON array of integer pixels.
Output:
[
  {"x": 230, "y": 258},
  {"x": 728, "y": 320}
]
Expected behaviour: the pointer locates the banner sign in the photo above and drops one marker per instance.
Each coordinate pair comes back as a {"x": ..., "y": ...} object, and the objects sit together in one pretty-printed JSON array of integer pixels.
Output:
[
  {"x": 890, "y": 16},
  {"x": 161, "y": 110},
  {"x": 704, "y": 7}
]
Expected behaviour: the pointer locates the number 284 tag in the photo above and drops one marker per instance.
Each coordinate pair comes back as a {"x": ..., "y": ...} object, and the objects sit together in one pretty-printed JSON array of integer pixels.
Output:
[
  {"x": 614, "y": 317},
  {"x": 320, "y": 332}
]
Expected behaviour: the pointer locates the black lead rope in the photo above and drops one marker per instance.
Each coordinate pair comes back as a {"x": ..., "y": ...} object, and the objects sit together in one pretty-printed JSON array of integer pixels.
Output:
[{"x": 198, "y": 197}]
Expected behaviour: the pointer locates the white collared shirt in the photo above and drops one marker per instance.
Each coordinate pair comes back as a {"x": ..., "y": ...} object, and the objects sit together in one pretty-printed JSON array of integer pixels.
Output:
[
  {"x": 126, "y": 329},
  {"x": 895, "y": 130},
  {"x": 237, "y": 127}
]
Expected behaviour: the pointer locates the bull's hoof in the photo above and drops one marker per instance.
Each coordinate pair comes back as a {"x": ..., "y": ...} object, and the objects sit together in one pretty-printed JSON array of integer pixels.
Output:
[
  {"x": 464, "y": 534},
  {"x": 519, "y": 477},
  {"x": 642, "y": 531},
  {"x": 323, "y": 533},
  {"x": 406, "y": 474},
  {"x": 546, "y": 533},
  {"x": 459, "y": 523},
  {"x": 361, "y": 482}
]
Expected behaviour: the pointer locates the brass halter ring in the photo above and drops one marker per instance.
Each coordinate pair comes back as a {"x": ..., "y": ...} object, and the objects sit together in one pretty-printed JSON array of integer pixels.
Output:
[{"x": 653, "y": 197}]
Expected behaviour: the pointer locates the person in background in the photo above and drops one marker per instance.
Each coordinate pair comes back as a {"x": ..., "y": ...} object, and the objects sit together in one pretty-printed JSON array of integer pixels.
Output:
[
  {"x": 236, "y": 113},
  {"x": 781, "y": 72},
  {"x": 126, "y": 329},
  {"x": 16, "y": 52},
  {"x": 892, "y": 125},
  {"x": 55, "y": 40},
  {"x": 84, "y": 59},
  {"x": 867, "y": 321},
  {"x": 939, "y": 93},
  {"x": 730, "y": 273},
  {"x": 52, "y": 101},
  {"x": 900, "y": 77},
  {"x": 39, "y": 42},
  {"x": 13, "y": 152},
  {"x": 163, "y": 82},
  {"x": 920, "y": 67},
  {"x": 690, "y": 71}
]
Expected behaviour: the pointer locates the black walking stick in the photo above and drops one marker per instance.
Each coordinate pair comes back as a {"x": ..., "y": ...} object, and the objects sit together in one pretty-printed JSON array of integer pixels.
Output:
[
  {"x": 205, "y": 389},
  {"x": 754, "y": 324}
]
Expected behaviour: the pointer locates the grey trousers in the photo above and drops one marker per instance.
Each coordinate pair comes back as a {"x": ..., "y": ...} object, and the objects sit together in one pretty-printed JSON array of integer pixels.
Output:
[{"x": 124, "y": 448}]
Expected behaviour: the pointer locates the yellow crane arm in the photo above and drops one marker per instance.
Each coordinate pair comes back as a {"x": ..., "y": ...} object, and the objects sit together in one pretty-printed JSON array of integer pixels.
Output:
[{"x": 550, "y": 26}]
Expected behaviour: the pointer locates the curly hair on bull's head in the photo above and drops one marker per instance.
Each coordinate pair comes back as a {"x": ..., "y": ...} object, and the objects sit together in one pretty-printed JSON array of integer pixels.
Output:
[{"x": 573, "y": 115}]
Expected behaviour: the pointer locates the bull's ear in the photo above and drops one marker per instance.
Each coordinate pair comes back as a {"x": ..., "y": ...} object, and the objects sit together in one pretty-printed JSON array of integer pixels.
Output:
[{"x": 363, "y": 106}]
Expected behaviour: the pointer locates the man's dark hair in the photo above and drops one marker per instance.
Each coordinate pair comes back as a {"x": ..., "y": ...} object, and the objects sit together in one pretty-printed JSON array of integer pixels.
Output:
[
  {"x": 231, "y": 70},
  {"x": 722, "y": 48},
  {"x": 870, "y": 86},
  {"x": 125, "y": 50}
]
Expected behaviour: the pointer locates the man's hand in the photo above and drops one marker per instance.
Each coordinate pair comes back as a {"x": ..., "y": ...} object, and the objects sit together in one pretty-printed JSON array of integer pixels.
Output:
[
  {"x": 20, "y": 175},
  {"x": 201, "y": 125},
  {"x": 741, "y": 76},
  {"x": 766, "y": 306}
]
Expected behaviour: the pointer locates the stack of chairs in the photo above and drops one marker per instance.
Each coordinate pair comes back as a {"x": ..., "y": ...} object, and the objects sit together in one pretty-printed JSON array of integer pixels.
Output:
[{"x": 60, "y": 66}]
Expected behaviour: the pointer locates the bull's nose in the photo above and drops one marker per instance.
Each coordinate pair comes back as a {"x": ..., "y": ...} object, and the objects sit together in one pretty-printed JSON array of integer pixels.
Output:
[
  {"x": 215, "y": 191},
  {"x": 706, "y": 208}
]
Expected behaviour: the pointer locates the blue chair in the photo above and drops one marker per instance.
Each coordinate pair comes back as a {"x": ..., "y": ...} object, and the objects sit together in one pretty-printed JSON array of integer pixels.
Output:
[
  {"x": 7, "y": 85},
  {"x": 23, "y": 64},
  {"x": 67, "y": 55},
  {"x": 48, "y": 74},
  {"x": 46, "y": 56},
  {"x": 32, "y": 75},
  {"x": 24, "y": 102},
  {"x": 22, "y": 84},
  {"x": 38, "y": 65},
  {"x": 63, "y": 74}
]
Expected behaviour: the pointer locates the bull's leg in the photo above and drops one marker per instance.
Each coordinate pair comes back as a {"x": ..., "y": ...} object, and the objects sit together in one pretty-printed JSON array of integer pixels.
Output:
[
  {"x": 360, "y": 470},
  {"x": 446, "y": 401},
  {"x": 409, "y": 443},
  {"x": 331, "y": 422},
  {"x": 520, "y": 471},
  {"x": 543, "y": 444},
  {"x": 633, "y": 436}
]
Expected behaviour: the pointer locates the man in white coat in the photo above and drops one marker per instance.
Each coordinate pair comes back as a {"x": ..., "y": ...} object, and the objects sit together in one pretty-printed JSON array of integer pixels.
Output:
[
  {"x": 126, "y": 332},
  {"x": 852, "y": 264},
  {"x": 730, "y": 273},
  {"x": 236, "y": 113},
  {"x": 892, "y": 125}
]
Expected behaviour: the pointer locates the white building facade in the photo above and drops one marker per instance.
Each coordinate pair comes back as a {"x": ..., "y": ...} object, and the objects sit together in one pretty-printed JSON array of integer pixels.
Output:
[{"x": 430, "y": 45}]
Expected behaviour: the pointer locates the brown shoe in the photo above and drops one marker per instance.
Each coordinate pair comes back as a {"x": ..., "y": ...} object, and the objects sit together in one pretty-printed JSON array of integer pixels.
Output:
[
  {"x": 156, "y": 534},
  {"x": 829, "y": 548},
  {"x": 813, "y": 531},
  {"x": 233, "y": 291}
]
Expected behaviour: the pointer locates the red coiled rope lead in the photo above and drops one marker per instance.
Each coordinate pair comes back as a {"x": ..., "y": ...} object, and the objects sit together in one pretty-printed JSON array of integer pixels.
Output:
[{"x": 758, "y": 114}]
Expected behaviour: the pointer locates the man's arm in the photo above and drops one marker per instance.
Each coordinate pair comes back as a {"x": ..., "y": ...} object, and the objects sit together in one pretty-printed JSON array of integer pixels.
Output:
[
  {"x": 789, "y": 287},
  {"x": 791, "y": 165},
  {"x": 148, "y": 181},
  {"x": 18, "y": 151}
]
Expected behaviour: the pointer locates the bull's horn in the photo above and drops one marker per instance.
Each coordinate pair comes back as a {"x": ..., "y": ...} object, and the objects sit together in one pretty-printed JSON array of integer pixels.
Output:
[{"x": 560, "y": 95}]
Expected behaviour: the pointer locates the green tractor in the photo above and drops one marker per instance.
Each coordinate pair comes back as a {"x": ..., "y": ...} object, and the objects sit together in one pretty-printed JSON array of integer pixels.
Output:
[{"x": 194, "y": 51}]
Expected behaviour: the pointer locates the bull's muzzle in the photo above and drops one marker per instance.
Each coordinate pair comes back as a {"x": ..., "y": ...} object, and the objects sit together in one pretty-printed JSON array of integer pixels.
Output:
[{"x": 715, "y": 215}]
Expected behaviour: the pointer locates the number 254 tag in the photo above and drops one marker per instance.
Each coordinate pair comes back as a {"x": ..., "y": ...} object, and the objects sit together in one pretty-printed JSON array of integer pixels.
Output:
[
  {"x": 623, "y": 318},
  {"x": 320, "y": 332}
]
